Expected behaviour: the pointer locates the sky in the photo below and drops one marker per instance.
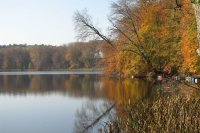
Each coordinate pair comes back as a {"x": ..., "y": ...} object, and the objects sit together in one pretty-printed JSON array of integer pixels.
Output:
[{"x": 46, "y": 21}]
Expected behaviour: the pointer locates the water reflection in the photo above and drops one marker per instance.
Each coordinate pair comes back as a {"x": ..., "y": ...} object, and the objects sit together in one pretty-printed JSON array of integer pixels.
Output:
[
  {"x": 89, "y": 86},
  {"x": 93, "y": 115},
  {"x": 66, "y": 103},
  {"x": 123, "y": 91}
]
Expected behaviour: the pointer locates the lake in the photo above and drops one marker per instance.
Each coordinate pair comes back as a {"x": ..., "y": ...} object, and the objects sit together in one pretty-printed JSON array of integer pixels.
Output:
[{"x": 64, "y": 102}]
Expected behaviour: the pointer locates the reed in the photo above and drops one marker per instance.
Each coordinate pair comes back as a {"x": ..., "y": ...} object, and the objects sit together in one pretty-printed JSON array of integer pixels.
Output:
[{"x": 164, "y": 114}]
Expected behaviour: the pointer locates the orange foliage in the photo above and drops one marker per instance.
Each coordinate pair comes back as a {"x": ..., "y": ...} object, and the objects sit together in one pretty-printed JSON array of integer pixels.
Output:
[
  {"x": 188, "y": 41},
  {"x": 167, "y": 39}
]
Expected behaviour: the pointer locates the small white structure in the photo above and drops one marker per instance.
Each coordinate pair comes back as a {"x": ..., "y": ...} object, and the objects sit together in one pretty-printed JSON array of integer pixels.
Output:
[
  {"x": 98, "y": 54},
  {"x": 195, "y": 80}
]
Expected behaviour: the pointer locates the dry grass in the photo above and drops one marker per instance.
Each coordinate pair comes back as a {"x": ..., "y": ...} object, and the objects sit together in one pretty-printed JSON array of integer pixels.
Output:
[{"x": 169, "y": 114}]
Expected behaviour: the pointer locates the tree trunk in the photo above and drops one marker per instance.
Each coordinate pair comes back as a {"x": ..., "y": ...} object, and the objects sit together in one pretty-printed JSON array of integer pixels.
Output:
[{"x": 197, "y": 14}]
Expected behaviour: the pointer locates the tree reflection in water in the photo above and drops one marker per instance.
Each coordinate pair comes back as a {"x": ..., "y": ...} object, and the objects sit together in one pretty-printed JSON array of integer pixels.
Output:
[
  {"x": 100, "y": 92},
  {"x": 117, "y": 91},
  {"x": 88, "y": 86},
  {"x": 93, "y": 115}
]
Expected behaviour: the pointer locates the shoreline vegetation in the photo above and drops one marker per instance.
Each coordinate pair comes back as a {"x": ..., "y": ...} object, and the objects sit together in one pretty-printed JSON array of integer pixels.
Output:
[{"x": 162, "y": 114}]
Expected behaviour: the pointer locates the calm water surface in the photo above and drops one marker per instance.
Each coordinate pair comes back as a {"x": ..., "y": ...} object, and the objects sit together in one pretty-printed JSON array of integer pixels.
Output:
[{"x": 57, "y": 102}]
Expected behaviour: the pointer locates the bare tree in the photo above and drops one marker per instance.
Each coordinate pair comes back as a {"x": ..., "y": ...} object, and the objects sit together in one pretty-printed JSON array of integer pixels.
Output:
[
  {"x": 86, "y": 29},
  {"x": 92, "y": 114}
]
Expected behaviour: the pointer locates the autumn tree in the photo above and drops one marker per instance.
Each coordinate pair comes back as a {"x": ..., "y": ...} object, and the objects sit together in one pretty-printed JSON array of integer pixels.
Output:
[
  {"x": 1, "y": 59},
  {"x": 86, "y": 29},
  {"x": 196, "y": 5},
  {"x": 145, "y": 38},
  {"x": 189, "y": 40},
  {"x": 58, "y": 57},
  {"x": 82, "y": 54}
]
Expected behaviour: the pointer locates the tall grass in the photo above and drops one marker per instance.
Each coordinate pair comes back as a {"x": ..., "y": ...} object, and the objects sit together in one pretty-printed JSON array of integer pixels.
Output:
[{"x": 166, "y": 114}]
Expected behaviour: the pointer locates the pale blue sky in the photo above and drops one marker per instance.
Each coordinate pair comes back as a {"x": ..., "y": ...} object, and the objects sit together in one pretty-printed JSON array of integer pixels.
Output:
[{"x": 46, "y": 21}]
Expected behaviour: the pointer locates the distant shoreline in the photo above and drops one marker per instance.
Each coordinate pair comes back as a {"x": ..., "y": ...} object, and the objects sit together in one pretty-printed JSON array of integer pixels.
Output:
[
  {"x": 77, "y": 72},
  {"x": 67, "y": 69}
]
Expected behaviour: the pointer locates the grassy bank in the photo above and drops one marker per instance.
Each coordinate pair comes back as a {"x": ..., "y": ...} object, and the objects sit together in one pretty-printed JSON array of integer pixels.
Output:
[{"x": 163, "y": 114}]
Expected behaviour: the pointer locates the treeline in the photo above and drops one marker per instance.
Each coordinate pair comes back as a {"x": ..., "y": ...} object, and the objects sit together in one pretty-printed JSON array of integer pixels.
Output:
[
  {"x": 46, "y": 57},
  {"x": 148, "y": 36}
]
